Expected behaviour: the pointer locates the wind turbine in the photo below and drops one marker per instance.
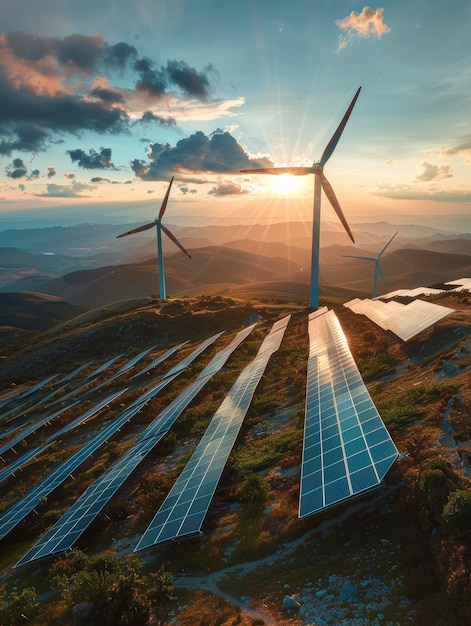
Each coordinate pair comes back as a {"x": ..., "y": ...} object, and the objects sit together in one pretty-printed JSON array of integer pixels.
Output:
[
  {"x": 160, "y": 227},
  {"x": 320, "y": 182},
  {"x": 377, "y": 269}
]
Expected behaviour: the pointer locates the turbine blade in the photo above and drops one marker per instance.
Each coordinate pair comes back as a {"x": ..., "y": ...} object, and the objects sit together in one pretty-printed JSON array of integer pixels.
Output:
[
  {"x": 174, "y": 239},
  {"x": 165, "y": 200},
  {"x": 363, "y": 258},
  {"x": 294, "y": 171},
  {"x": 139, "y": 229},
  {"x": 336, "y": 136},
  {"x": 382, "y": 251},
  {"x": 329, "y": 192},
  {"x": 380, "y": 272}
]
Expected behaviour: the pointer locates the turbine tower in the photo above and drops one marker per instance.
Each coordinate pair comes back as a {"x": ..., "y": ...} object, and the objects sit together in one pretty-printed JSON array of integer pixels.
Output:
[
  {"x": 160, "y": 227},
  {"x": 320, "y": 182},
  {"x": 377, "y": 269}
]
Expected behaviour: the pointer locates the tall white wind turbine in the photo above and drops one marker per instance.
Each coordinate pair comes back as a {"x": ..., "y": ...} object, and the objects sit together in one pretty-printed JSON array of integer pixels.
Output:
[
  {"x": 320, "y": 181},
  {"x": 160, "y": 227},
  {"x": 377, "y": 270}
]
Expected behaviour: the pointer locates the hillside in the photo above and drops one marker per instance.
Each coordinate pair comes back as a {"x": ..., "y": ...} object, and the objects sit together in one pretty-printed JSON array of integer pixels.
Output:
[{"x": 394, "y": 554}]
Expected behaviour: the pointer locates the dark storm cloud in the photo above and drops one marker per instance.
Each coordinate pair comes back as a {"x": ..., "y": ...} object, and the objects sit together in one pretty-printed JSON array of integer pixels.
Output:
[
  {"x": 110, "y": 96},
  {"x": 150, "y": 118},
  {"x": 53, "y": 85},
  {"x": 93, "y": 160},
  {"x": 193, "y": 83},
  {"x": 120, "y": 55},
  {"x": 152, "y": 80},
  {"x": 217, "y": 154},
  {"x": 17, "y": 169}
]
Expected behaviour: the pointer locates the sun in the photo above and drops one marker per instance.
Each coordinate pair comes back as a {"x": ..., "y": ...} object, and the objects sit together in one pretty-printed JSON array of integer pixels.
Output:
[{"x": 285, "y": 184}]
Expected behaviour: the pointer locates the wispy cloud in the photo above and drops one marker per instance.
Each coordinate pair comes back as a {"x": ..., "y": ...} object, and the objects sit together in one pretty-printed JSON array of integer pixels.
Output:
[
  {"x": 407, "y": 192},
  {"x": 75, "y": 190},
  {"x": 368, "y": 23}
]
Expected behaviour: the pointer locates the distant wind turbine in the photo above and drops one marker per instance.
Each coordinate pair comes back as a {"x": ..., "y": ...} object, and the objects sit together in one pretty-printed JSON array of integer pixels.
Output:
[
  {"x": 320, "y": 181},
  {"x": 377, "y": 269},
  {"x": 160, "y": 227}
]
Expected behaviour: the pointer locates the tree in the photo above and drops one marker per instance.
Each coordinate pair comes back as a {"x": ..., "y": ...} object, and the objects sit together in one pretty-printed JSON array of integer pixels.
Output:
[{"x": 457, "y": 512}]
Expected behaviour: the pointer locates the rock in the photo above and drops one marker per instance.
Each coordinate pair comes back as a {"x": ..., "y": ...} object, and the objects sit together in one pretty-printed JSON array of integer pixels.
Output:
[
  {"x": 290, "y": 604},
  {"x": 348, "y": 592}
]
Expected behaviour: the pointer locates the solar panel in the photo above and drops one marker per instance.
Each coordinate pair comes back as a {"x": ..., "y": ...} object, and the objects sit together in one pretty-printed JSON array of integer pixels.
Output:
[
  {"x": 85, "y": 416},
  {"x": 347, "y": 449},
  {"x": 76, "y": 520},
  {"x": 13, "y": 516},
  {"x": 33, "y": 428},
  {"x": 404, "y": 320},
  {"x": 20, "y": 461},
  {"x": 159, "y": 360},
  {"x": 104, "y": 366},
  {"x": 75, "y": 372},
  {"x": 183, "y": 511},
  {"x": 132, "y": 362}
]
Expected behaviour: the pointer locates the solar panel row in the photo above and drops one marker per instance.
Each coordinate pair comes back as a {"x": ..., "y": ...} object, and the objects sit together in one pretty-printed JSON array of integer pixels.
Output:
[
  {"x": 33, "y": 428},
  {"x": 183, "y": 511},
  {"x": 347, "y": 449},
  {"x": 404, "y": 320},
  {"x": 20, "y": 461},
  {"x": 79, "y": 516}
]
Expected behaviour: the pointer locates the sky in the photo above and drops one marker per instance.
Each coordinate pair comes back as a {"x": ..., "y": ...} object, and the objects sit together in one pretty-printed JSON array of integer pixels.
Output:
[{"x": 102, "y": 102}]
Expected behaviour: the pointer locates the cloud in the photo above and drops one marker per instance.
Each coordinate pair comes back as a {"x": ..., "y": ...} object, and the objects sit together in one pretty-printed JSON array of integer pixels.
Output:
[
  {"x": 51, "y": 171},
  {"x": 150, "y": 118},
  {"x": 54, "y": 85},
  {"x": 228, "y": 188},
  {"x": 93, "y": 160},
  {"x": 361, "y": 25},
  {"x": 434, "y": 172},
  {"x": 66, "y": 191},
  {"x": 405, "y": 192},
  {"x": 17, "y": 169},
  {"x": 219, "y": 153},
  {"x": 463, "y": 146},
  {"x": 34, "y": 174}
]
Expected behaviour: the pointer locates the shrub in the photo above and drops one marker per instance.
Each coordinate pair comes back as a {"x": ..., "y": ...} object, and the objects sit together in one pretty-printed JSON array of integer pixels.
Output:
[
  {"x": 17, "y": 606},
  {"x": 108, "y": 591},
  {"x": 457, "y": 512}
]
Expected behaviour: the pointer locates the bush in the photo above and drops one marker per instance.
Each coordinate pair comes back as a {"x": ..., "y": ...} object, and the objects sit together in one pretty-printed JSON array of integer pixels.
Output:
[
  {"x": 253, "y": 488},
  {"x": 16, "y": 607},
  {"x": 457, "y": 512},
  {"x": 105, "y": 590}
]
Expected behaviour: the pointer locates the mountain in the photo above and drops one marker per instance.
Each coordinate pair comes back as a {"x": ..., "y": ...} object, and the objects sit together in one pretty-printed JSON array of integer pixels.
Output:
[{"x": 34, "y": 311}]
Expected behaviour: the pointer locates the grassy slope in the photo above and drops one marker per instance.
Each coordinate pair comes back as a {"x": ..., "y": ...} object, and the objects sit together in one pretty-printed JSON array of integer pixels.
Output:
[{"x": 257, "y": 548}]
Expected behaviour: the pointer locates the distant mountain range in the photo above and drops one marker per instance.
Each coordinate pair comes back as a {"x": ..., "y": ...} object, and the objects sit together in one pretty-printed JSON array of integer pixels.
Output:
[{"x": 270, "y": 260}]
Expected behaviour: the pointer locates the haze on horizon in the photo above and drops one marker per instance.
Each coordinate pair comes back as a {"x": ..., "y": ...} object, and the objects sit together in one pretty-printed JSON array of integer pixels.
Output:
[{"x": 102, "y": 104}]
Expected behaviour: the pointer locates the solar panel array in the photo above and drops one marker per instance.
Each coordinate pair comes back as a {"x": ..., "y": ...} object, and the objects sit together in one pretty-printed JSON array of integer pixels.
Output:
[
  {"x": 347, "y": 449},
  {"x": 461, "y": 284},
  {"x": 79, "y": 516},
  {"x": 16, "y": 513},
  {"x": 404, "y": 320},
  {"x": 183, "y": 511}
]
